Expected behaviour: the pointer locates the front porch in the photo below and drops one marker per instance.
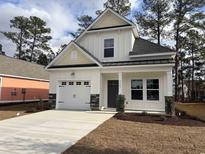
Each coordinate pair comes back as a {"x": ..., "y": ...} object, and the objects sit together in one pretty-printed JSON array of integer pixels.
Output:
[{"x": 144, "y": 91}]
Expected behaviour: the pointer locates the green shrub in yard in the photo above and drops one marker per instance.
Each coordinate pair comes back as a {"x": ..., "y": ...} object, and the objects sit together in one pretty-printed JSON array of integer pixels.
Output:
[
  {"x": 169, "y": 105},
  {"x": 120, "y": 104}
]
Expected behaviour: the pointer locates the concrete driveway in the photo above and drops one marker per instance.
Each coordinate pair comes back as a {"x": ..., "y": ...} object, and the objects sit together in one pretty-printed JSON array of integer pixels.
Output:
[{"x": 48, "y": 132}]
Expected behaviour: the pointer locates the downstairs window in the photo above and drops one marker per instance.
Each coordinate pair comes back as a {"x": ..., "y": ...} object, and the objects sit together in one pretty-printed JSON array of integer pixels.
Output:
[
  {"x": 136, "y": 89},
  {"x": 152, "y": 89}
]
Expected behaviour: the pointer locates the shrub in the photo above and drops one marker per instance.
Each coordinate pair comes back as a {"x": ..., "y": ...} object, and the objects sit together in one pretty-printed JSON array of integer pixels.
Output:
[
  {"x": 120, "y": 104},
  {"x": 169, "y": 105}
]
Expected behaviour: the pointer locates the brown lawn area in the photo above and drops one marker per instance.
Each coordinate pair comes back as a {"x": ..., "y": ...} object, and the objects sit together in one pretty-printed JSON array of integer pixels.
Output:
[
  {"x": 193, "y": 109},
  {"x": 134, "y": 134},
  {"x": 11, "y": 111}
]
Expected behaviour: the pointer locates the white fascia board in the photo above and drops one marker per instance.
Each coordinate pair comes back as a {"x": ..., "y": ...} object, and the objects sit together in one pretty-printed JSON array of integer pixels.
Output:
[
  {"x": 131, "y": 66},
  {"x": 73, "y": 68},
  {"x": 109, "y": 67},
  {"x": 110, "y": 29},
  {"x": 22, "y": 77},
  {"x": 155, "y": 54}
]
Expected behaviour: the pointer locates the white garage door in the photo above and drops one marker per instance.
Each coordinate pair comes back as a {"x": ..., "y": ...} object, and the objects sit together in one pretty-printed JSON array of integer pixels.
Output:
[{"x": 74, "y": 95}]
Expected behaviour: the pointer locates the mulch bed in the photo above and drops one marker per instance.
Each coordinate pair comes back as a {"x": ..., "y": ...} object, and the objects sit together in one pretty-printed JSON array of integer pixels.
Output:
[{"x": 183, "y": 120}]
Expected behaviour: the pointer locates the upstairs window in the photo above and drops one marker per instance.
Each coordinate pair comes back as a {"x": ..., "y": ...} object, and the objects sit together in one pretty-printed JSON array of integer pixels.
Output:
[{"x": 108, "y": 48}]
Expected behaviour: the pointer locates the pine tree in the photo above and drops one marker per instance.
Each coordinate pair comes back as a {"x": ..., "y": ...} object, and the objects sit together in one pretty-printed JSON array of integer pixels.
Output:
[
  {"x": 120, "y": 6},
  {"x": 195, "y": 45},
  {"x": 154, "y": 18},
  {"x": 183, "y": 14},
  {"x": 83, "y": 22},
  {"x": 38, "y": 38},
  {"x": 42, "y": 59},
  {"x": 19, "y": 35}
]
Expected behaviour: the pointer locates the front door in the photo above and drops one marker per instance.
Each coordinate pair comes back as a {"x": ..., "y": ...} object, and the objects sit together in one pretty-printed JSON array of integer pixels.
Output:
[{"x": 112, "y": 93}]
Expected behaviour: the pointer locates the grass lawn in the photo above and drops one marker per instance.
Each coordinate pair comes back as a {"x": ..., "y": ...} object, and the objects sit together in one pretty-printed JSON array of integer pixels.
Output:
[
  {"x": 134, "y": 134},
  {"x": 193, "y": 109},
  {"x": 11, "y": 111}
]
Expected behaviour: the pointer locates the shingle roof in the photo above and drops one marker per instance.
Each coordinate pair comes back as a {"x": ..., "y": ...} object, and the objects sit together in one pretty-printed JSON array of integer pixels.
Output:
[
  {"x": 16, "y": 67},
  {"x": 142, "y": 47},
  {"x": 139, "y": 62}
]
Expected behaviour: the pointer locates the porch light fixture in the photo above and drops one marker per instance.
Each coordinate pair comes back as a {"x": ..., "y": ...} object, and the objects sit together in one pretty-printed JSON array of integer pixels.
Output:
[{"x": 72, "y": 74}]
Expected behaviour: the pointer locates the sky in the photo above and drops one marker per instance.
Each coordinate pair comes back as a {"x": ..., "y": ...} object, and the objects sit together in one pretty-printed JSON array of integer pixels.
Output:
[{"x": 60, "y": 15}]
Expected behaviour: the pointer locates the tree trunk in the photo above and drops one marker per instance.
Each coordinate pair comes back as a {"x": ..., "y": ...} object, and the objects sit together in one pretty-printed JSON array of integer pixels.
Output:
[
  {"x": 20, "y": 45},
  {"x": 189, "y": 89},
  {"x": 176, "y": 65},
  {"x": 33, "y": 44},
  {"x": 158, "y": 24},
  {"x": 182, "y": 80},
  {"x": 178, "y": 23},
  {"x": 192, "y": 76}
]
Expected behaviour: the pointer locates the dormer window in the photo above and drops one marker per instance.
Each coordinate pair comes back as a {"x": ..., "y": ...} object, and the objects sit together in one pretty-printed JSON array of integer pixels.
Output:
[{"x": 108, "y": 48}]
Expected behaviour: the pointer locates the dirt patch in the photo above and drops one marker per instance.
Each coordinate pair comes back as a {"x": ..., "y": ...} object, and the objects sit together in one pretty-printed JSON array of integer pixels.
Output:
[
  {"x": 11, "y": 111},
  {"x": 141, "y": 135},
  {"x": 193, "y": 109}
]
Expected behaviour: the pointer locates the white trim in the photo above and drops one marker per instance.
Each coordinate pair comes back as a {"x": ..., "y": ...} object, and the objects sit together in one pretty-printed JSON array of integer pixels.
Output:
[
  {"x": 102, "y": 14},
  {"x": 154, "y": 54},
  {"x": 108, "y": 67},
  {"x": 131, "y": 66},
  {"x": 65, "y": 49},
  {"x": 22, "y": 77},
  {"x": 16, "y": 101},
  {"x": 110, "y": 29}
]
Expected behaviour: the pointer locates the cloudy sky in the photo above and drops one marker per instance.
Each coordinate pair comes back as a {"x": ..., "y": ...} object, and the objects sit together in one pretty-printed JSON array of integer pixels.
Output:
[{"x": 60, "y": 16}]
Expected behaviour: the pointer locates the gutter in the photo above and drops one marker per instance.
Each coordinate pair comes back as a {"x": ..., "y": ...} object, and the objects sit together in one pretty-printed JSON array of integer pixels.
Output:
[{"x": 22, "y": 77}]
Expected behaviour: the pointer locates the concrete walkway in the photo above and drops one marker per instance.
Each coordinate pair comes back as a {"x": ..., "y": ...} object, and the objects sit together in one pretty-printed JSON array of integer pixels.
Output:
[{"x": 47, "y": 132}]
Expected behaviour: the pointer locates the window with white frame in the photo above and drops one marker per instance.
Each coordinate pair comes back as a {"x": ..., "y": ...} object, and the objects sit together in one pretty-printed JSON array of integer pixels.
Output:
[
  {"x": 152, "y": 89},
  {"x": 108, "y": 48},
  {"x": 137, "y": 89}
]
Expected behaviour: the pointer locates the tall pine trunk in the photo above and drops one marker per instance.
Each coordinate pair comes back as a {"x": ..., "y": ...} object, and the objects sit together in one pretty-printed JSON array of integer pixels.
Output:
[
  {"x": 176, "y": 65},
  {"x": 158, "y": 25},
  {"x": 182, "y": 80},
  {"x": 192, "y": 76},
  {"x": 33, "y": 44},
  {"x": 20, "y": 45}
]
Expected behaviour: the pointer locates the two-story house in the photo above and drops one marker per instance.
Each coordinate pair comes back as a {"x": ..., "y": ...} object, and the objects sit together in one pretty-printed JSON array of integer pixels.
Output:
[{"x": 107, "y": 59}]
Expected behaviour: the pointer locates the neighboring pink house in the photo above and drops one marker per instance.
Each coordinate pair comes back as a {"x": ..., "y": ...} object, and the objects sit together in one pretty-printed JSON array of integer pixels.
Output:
[{"x": 22, "y": 81}]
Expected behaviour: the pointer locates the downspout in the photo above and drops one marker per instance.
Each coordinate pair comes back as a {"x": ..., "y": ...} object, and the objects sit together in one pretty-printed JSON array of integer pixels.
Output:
[{"x": 1, "y": 81}]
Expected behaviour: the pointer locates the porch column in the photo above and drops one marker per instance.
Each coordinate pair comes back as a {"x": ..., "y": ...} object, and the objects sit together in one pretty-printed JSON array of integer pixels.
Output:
[
  {"x": 169, "y": 83},
  {"x": 120, "y": 83}
]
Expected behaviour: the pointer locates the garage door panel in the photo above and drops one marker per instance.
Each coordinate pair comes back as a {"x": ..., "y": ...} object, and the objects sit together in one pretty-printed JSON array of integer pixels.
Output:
[{"x": 74, "y": 96}]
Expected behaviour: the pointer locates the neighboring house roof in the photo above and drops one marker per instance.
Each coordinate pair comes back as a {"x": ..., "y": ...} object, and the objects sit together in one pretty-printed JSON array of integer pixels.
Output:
[
  {"x": 143, "y": 47},
  {"x": 20, "y": 68}
]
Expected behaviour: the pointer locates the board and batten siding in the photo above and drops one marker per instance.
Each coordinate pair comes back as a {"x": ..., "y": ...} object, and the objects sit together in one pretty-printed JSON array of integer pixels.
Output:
[{"x": 123, "y": 43}]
